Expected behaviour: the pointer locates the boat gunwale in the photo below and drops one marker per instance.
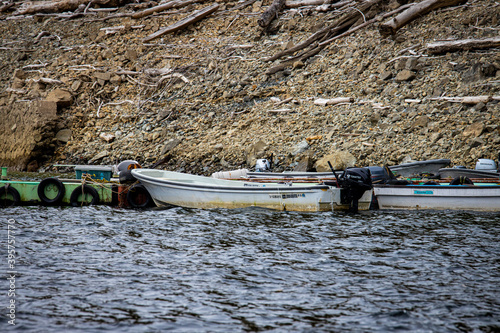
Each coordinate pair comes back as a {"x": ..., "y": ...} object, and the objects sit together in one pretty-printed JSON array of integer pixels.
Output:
[
  {"x": 470, "y": 173},
  {"x": 419, "y": 163},
  {"x": 245, "y": 188},
  {"x": 485, "y": 186}
]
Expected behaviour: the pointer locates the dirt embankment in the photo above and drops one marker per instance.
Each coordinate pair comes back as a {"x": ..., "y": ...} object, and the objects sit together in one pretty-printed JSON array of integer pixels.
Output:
[{"x": 199, "y": 99}]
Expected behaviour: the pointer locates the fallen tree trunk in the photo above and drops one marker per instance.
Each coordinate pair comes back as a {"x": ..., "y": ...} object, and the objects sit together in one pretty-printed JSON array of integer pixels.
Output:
[
  {"x": 302, "y": 3},
  {"x": 462, "y": 45},
  {"x": 362, "y": 25},
  {"x": 163, "y": 7},
  {"x": 271, "y": 13},
  {"x": 333, "y": 6},
  {"x": 464, "y": 100},
  {"x": 7, "y": 7},
  {"x": 194, "y": 17},
  {"x": 66, "y": 6},
  {"x": 242, "y": 5},
  {"x": 333, "y": 101},
  {"x": 420, "y": 9},
  {"x": 338, "y": 26}
]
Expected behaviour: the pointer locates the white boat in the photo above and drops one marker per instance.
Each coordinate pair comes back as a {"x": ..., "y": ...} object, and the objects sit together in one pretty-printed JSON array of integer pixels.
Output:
[
  {"x": 417, "y": 168},
  {"x": 485, "y": 168},
  {"x": 457, "y": 197},
  {"x": 245, "y": 173},
  {"x": 169, "y": 188}
]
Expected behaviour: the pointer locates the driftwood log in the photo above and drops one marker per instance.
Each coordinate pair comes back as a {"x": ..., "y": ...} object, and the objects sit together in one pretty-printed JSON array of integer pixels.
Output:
[
  {"x": 333, "y": 101},
  {"x": 462, "y": 45},
  {"x": 341, "y": 24},
  {"x": 240, "y": 6},
  {"x": 362, "y": 25},
  {"x": 302, "y": 3},
  {"x": 271, "y": 12},
  {"x": 465, "y": 99},
  {"x": 417, "y": 10},
  {"x": 66, "y": 6},
  {"x": 7, "y": 6},
  {"x": 163, "y": 7},
  {"x": 194, "y": 17}
]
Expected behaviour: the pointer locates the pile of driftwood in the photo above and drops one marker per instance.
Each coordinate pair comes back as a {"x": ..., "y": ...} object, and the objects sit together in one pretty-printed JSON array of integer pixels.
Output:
[{"x": 351, "y": 16}]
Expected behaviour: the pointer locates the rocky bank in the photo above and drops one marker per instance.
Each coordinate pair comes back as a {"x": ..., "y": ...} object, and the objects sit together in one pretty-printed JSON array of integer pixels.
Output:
[{"x": 87, "y": 89}]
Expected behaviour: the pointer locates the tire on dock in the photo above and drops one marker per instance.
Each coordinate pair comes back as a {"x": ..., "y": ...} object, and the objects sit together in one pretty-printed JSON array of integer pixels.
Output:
[
  {"x": 139, "y": 197},
  {"x": 46, "y": 185},
  {"x": 80, "y": 193},
  {"x": 5, "y": 192}
]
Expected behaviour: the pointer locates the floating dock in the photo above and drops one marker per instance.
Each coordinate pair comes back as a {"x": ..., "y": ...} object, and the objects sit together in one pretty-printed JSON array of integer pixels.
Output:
[{"x": 73, "y": 192}]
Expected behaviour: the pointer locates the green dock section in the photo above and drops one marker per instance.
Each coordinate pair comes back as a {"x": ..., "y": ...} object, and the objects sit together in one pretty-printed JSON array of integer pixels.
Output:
[{"x": 29, "y": 194}]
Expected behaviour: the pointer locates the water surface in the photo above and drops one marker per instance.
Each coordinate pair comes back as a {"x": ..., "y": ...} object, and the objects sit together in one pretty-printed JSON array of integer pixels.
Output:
[{"x": 186, "y": 270}]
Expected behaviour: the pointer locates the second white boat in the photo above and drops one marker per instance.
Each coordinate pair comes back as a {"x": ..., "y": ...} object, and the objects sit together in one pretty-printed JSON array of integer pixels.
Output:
[{"x": 439, "y": 197}]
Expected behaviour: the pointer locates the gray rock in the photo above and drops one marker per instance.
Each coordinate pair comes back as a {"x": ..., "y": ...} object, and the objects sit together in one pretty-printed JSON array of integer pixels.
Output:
[
  {"x": 64, "y": 135},
  {"x": 305, "y": 164},
  {"x": 474, "y": 130},
  {"x": 102, "y": 76},
  {"x": 300, "y": 148},
  {"x": 412, "y": 64},
  {"x": 255, "y": 152},
  {"x": 477, "y": 142},
  {"x": 169, "y": 146},
  {"x": 421, "y": 122},
  {"x": 99, "y": 156},
  {"x": 405, "y": 75},
  {"x": 339, "y": 160},
  {"x": 478, "y": 72},
  {"x": 62, "y": 98},
  {"x": 386, "y": 75}
]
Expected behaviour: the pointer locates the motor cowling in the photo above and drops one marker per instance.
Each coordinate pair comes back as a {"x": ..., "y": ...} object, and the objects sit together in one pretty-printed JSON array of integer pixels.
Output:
[
  {"x": 354, "y": 182},
  {"x": 384, "y": 175}
]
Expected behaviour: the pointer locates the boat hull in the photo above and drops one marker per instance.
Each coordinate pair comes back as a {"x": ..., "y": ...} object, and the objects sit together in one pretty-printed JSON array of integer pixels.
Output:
[
  {"x": 439, "y": 197},
  {"x": 192, "y": 191}
]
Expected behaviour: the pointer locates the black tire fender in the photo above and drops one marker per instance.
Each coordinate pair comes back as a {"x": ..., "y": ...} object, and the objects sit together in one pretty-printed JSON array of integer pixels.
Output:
[
  {"x": 461, "y": 181},
  {"x": 85, "y": 189},
  {"x": 139, "y": 197},
  {"x": 4, "y": 192},
  {"x": 43, "y": 185}
]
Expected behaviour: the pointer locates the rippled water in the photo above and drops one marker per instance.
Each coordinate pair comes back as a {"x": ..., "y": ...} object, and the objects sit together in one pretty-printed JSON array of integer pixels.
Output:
[{"x": 182, "y": 270}]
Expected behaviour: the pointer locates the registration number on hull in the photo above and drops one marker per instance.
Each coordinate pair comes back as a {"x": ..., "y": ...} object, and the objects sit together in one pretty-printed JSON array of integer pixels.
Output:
[
  {"x": 423, "y": 192},
  {"x": 287, "y": 196}
]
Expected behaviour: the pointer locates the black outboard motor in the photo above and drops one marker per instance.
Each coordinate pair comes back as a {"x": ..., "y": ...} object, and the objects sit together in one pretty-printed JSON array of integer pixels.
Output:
[
  {"x": 384, "y": 175},
  {"x": 379, "y": 174},
  {"x": 354, "y": 182}
]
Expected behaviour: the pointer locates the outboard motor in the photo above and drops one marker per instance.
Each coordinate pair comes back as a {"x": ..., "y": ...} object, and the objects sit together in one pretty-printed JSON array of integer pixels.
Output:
[
  {"x": 124, "y": 170},
  {"x": 354, "y": 182},
  {"x": 379, "y": 174},
  {"x": 486, "y": 164},
  {"x": 384, "y": 175},
  {"x": 262, "y": 165}
]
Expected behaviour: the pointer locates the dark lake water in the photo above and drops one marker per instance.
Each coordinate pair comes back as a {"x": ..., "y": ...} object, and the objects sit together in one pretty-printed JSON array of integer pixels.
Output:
[{"x": 96, "y": 269}]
